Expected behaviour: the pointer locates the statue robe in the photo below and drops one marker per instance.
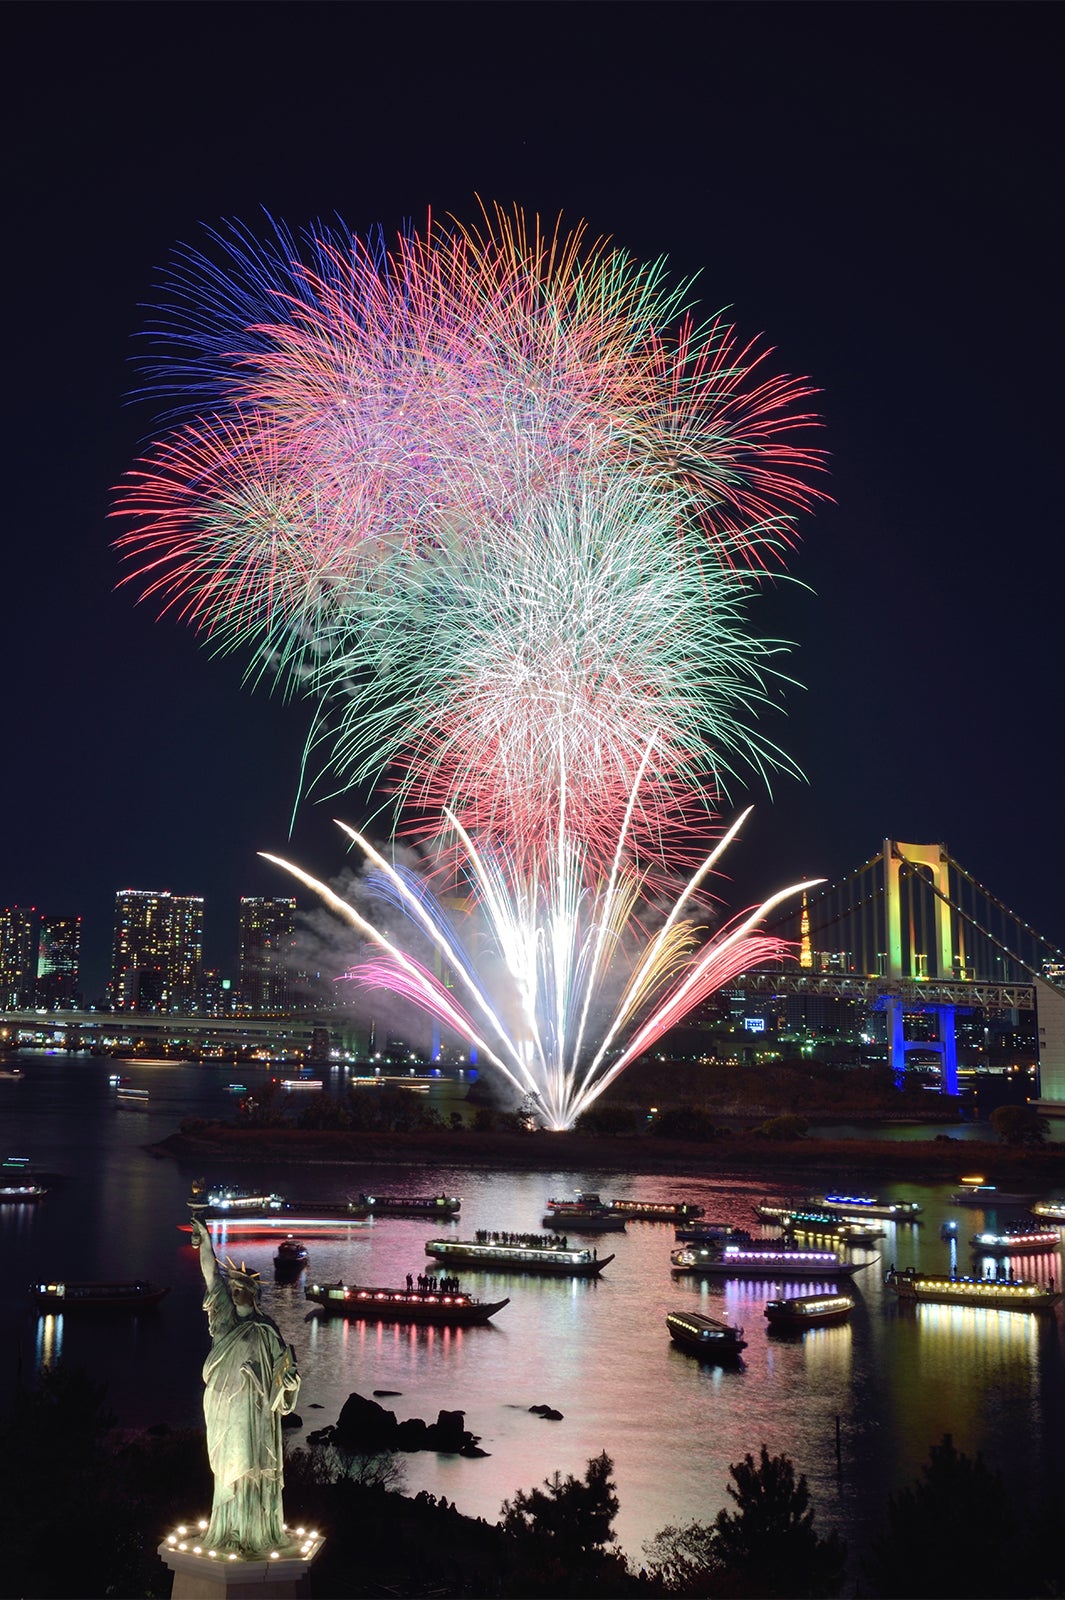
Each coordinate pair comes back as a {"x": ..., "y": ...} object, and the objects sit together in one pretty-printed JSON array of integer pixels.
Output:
[{"x": 250, "y": 1382}]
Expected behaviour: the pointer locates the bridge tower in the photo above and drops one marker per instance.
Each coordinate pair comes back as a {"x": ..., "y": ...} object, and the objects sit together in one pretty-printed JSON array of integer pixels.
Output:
[{"x": 935, "y": 859}]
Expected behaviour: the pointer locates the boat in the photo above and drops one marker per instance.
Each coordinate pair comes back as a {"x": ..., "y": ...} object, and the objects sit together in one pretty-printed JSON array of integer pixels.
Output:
[
  {"x": 59, "y": 1296},
  {"x": 1052, "y": 1209},
  {"x": 1008, "y": 1294},
  {"x": 809, "y": 1219},
  {"x": 15, "y": 1074},
  {"x": 586, "y": 1213},
  {"x": 291, "y": 1256},
  {"x": 292, "y": 1217},
  {"x": 24, "y": 1194},
  {"x": 407, "y": 1205},
  {"x": 133, "y": 1099},
  {"x": 656, "y": 1210},
  {"x": 975, "y": 1192},
  {"x": 705, "y": 1336},
  {"x": 757, "y": 1261},
  {"x": 853, "y": 1234},
  {"x": 454, "y": 1310},
  {"x": 866, "y": 1205},
  {"x": 1020, "y": 1242},
  {"x": 711, "y": 1233},
  {"x": 515, "y": 1252},
  {"x": 808, "y": 1310},
  {"x": 302, "y": 1083}
]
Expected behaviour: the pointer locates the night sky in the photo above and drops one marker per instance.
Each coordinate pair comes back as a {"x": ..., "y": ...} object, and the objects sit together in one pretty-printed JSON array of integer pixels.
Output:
[{"x": 876, "y": 188}]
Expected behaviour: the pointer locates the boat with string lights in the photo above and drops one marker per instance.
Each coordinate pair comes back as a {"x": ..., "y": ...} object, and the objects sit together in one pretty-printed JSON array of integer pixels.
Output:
[
  {"x": 778, "y": 1262},
  {"x": 711, "y": 1233},
  {"x": 425, "y": 1308},
  {"x": 261, "y": 1214},
  {"x": 586, "y": 1213},
  {"x": 1053, "y": 1210},
  {"x": 67, "y": 1296},
  {"x": 808, "y": 1219},
  {"x": 706, "y": 1337},
  {"x": 515, "y": 1252},
  {"x": 656, "y": 1210},
  {"x": 866, "y": 1205},
  {"x": 410, "y": 1205},
  {"x": 1000, "y": 1294},
  {"x": 1016, "y": 1242},
  {"x": 808, "y": 1310}
]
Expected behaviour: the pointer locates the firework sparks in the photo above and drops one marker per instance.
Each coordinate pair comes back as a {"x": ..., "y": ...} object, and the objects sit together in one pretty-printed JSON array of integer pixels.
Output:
[{"x": 573, "y": 967}]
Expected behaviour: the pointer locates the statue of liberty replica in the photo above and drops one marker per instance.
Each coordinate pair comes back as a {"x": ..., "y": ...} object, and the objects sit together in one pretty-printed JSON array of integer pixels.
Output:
[{"x": 250, "y": 1383}]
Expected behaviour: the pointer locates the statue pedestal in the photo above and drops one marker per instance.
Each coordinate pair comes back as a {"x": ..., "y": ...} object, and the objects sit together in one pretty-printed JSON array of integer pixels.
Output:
[{"x": 201, "y": 1576}]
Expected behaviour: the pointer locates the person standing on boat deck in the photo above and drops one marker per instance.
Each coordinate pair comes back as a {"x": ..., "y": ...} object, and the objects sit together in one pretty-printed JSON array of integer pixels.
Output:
[{"x": 250, "y": 1383}]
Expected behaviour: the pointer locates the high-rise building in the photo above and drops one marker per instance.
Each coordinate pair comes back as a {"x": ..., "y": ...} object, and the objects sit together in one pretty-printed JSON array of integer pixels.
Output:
[
  {"x": 18, "y": 956},
  {"x": 158, "y": 951},
  {"x": 267, "y": 931},
  {"x": 58, "y": 957}
]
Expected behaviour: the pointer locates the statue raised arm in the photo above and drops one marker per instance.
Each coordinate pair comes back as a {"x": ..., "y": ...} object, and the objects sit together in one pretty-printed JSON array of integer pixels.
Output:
[{"x": 250, "y": 1383}]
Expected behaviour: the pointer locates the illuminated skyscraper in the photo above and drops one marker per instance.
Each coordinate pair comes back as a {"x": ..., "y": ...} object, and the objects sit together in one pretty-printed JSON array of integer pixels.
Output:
[
  {"x": 267, "y": 930},
  {"x": 18, "y": 956},
  {"x": 58, "y": 956},
  {"x": 158, "y": 951}
]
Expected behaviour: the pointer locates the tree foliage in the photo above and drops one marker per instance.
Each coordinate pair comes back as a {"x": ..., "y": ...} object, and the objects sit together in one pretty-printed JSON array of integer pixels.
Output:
[
  {"x": 954, "y": 1532},
  {"x": 767, "y": 1547},
  {"x": 562, "y": 1534},
  {"x": 1019, "y": 1125}
]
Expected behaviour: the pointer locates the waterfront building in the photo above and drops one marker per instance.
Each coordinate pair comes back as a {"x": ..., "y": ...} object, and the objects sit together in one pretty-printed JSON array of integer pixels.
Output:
[
  {"x": 158, "y": 951},
  {"x": 18, "y": 956},
  {"x": 267, "y": 935},
  {"x": 58, "y": 962}
]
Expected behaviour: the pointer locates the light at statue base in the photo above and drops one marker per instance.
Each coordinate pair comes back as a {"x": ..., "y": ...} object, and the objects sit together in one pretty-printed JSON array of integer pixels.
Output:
[{"x": 204, "y": 1574}]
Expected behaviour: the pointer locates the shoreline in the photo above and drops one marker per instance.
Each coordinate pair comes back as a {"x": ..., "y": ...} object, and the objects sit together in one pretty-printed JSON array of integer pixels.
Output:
[{"x": 940, "y": 1160}]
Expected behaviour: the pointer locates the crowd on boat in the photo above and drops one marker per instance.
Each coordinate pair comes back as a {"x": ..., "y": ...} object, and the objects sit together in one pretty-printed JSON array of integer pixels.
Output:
[
  {"x": 524, "y": 1241},
  {"x": 432, "y": 1283}
]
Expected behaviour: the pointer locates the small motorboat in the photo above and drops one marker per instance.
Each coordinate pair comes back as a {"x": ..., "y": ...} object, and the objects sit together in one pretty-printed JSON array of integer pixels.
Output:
[
  {"x": 705, "y": 1336},
  {"x": 291, "y": 1257},
  {"x": 809, "y": 1310}
]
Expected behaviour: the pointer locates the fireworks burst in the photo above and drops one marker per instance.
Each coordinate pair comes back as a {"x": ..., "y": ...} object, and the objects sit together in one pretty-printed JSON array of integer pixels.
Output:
[{"x": 495, "y": 502}]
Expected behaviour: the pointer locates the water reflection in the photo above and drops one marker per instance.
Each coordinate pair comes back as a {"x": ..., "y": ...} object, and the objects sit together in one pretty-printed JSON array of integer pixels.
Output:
[{"x": 49, "y": 1346}]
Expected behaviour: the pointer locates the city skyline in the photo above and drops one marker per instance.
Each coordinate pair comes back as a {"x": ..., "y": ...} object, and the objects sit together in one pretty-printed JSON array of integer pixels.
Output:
[{"x": 908, "y": 210}]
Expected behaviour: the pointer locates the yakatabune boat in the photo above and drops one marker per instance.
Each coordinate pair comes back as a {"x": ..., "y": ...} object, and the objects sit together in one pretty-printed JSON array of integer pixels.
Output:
[
  {"x": 866, "y": 1205},
  {"x": 757, "y": 1261},
  {"x": 134, "y": 1296},
  {"x": 656, "y": 1210},
  {"x": 975, "y": 1192},
  {"x": 1009, "y": 1294},
  {"x": 809, "y": 1310},
  {"x": 711, "y": 1233},
  {"x": 491, "y": 1255},
  {"x": 586, "y": 1213},
  {"x": 247, "y": 1213},
  {"x": 705, "y": 1336},
  {"x": 1023, "y": 1242},
  {"x": 1053, "y": 1209},
  {"x": 809, "y": 1219},
  {"x": 411, "y": 1205},
  {"x": 453, "y": 1310}
]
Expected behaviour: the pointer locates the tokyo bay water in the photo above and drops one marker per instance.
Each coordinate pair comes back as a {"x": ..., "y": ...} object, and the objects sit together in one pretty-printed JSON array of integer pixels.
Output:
[{"x": 596, "y": 1351}]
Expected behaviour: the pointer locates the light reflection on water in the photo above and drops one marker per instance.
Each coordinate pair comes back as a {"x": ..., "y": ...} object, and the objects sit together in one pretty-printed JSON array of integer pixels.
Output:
[{"x": 597, "y": 1351}]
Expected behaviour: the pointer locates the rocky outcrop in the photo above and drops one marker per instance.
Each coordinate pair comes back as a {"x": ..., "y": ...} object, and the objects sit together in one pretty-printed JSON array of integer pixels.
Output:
[{"x": 368, "y": 1428}]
